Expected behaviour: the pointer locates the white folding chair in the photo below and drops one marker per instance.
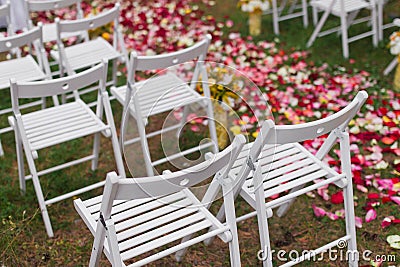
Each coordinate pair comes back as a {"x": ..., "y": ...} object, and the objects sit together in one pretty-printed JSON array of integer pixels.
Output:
[
  {"x": 85, "y": 54},
  {"x": 282, "y": 12},
  {"x": 50, "y": 29},
  {"x": 5, "y": 13},
  {"x": 51, "y": 126},
  {"x": 165, "y": 92},
  {"x": 276, "y": 163},
  {"x": 347, "y": 11},
  {"x": 135, "y": 216},
  {"x": 22, "y": 67}
]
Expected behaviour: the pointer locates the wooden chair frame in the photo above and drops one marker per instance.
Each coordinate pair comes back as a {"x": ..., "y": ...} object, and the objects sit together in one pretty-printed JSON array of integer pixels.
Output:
[
  {"x": 23, "y": 68},
  {"x": 49, "y": 29},
  {"x": 292, "y": 12},
  {"x": 48, "y": 127},
  {"x": 130, "y": 95},
  {"x": 151, "y": 226},
  {"x": 275, "y": 162},
  {"x": 347, "y": 11},
  {"x": 80, "y": 56}
]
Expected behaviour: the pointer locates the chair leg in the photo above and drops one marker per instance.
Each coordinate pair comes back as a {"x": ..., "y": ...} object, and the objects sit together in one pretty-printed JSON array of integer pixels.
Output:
[
  {"x": 1, "y": 150},
  {"x": 211, "y": 126},
  {"x": 375, "y": 29},
  {"x": 345, "y": 42},
  {"x": 390, "y": 67},
  {"x": 350, "y": 225},
  {"x": 275, "y": 17},
  {"x": 231, "y": 222},
  {"x": 315, "y": 15},
  {"x": 114, "y": 71},
  {"x": 145, "y": 147},
  {"x": 96, "y": 148},
  {"x": 20, "y": 161},
  {"x": 380, "y": 20},
  {"x": 282, "y": 210},
  {"x": 305, "y": 13},
  {"x": 348, "y": 199},
  {"x": 40, "y": 197},
  {"x": 318, "y": 28},
  {"x": 97, "y": 247},
  {"x": 264, "y": 241},
  {"x": 181, "y": 253}
]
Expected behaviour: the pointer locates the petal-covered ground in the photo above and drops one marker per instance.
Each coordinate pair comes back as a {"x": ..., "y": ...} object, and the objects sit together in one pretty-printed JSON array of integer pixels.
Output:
[{"x": 297, "y": 91}]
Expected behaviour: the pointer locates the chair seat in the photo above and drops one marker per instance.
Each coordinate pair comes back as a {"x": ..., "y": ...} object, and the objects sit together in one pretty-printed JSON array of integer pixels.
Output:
[
  {"x": 350, "y": 5},
  {"x": 86, "y": 54},
  {"x": 60, "y": 124},
  {"x": 284, "y": 167},
  {"x": 50, "y": 33},
  {"x": 146, "y": 224},
  {"x": 159, "y": 94},
  {"x": 20, "y": 69}
]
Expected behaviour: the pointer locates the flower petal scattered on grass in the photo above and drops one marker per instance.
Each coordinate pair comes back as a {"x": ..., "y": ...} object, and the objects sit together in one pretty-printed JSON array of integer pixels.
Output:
[
  {"x": 370, "y": 216},
  {"x": 394, "y": 241}
]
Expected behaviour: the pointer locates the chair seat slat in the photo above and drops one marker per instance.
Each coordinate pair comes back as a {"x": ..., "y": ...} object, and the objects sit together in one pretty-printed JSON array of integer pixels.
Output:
[{"x": 165, "y": 240}]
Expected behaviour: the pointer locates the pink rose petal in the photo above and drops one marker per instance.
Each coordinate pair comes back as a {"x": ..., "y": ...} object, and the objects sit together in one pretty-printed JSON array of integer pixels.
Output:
[
  {"x": 319, "y": 212},
  {"x": 370, "y": 216},
  {"x": 332, "y": 216},
  {"x": 395, "y": 199},
  {"x": 359, "y": 222}
]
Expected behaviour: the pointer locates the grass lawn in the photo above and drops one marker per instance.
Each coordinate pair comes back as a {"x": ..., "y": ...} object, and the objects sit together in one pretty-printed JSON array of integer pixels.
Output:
[{"x": 23, "y": 240}]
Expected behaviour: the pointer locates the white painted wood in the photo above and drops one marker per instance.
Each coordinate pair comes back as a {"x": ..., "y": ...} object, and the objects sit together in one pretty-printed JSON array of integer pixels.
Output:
[
  {"x": 276, "y": 164},
  {"x": 49, "y": 29},
  {"x": 163, "y": 92},
  {"x": 146, "y": 214},
  {"x": 344, "y": 9},
  {"x": 77, "y": 57},
  {"x": 294, "y": 11},
  {"x": 23, "y": 68},
  {"x": 59, "y": 124}
]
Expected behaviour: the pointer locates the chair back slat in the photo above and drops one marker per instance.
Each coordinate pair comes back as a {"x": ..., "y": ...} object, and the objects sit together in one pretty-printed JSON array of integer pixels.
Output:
[
  {"x": 58, "y": 86},
  {"x": 136, "y": 188},
  {"x": 22, "y": 39},
  {"x": 307, "y": 131},
  {"x": 44, "y": 5},
  {"x": 90, "y": 22},
  {"x": 143, "y": 63}
]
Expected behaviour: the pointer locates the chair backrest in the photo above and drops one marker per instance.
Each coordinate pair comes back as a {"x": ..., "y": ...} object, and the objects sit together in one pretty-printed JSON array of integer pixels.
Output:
[
  {"x": 161, "y": 62},
  {"x": 32, "y": 6},
  {"x": 89, "y": 23},
  {"x": 136, "y": 188},
  {"x": 46, "y": 5},
  {"x": 196, "y": 51},
  {"x": 283, "y": 134},
  {"x": 58, "y": 86},
  {"x": 27, "y": 38}
]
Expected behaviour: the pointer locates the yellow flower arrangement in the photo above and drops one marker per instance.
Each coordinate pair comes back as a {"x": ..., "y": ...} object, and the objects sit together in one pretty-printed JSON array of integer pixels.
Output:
[{"x": 254, "y": 6}]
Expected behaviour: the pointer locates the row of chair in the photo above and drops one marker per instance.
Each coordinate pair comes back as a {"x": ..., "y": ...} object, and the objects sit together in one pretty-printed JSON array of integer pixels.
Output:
[
  {"x": 68, "y": 121},
  {"x": 137, "y": 215},
  {"x": 350, "y": 12},
  {"x": 138, "y": 220}
]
